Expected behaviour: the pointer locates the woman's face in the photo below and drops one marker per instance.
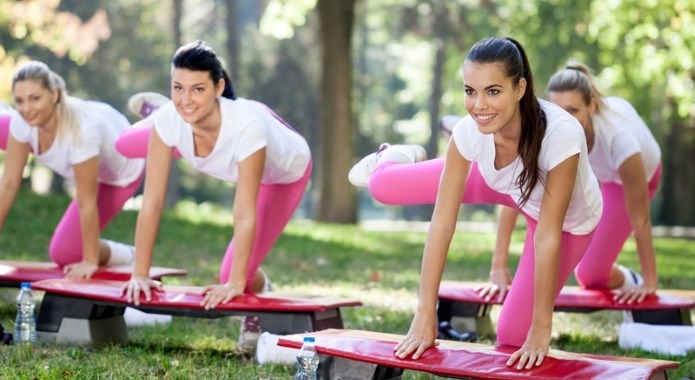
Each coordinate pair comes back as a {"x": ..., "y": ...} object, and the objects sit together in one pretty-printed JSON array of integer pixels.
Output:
[
  {"x": 35, "y": 103},
  {"x": 491, "y": 98},
  {"x": 573, "y": 102},
  {"x": 194, "y": 94}
]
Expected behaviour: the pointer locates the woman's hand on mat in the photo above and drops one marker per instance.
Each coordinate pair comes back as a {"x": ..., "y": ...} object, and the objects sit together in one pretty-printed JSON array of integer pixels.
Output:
[
  {"x": 499, "y": 285},
  {"x": 82, "y": 269},
  {"x": 634, "y": 295},
  {"x": 138, "y": 285},
  {"x": 217, "y": 294},
  {"x": 534, "y": 350},
  {"x": 421, "y": 336}
]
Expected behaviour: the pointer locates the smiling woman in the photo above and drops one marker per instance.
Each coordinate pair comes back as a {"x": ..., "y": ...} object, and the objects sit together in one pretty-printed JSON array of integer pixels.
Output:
[
  {"x": 232, "y": 139},
  {"x": 512, "y": 149},
  {"x": 75, "y": 138}
]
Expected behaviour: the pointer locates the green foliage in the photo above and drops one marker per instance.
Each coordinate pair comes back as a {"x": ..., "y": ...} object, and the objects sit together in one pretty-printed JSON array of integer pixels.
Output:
[{"x": 381, "y": 269}]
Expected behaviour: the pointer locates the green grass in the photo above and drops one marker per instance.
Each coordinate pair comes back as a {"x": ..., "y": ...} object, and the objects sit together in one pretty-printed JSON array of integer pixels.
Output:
[{"x": 379, "y": 268}]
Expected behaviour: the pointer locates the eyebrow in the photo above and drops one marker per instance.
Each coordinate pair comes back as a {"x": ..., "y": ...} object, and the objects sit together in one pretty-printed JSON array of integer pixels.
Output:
[
  {"x": 192, "y": 85},
  {"x": 486, "y": 88}
]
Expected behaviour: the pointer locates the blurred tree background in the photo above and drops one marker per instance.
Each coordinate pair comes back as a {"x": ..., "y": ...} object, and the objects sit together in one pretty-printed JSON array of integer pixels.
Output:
[{"x": 350, "y": 74}]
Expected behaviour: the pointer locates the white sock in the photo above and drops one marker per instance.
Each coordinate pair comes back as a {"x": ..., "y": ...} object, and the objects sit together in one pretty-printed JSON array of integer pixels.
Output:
[{"x": 121, "y": 254}]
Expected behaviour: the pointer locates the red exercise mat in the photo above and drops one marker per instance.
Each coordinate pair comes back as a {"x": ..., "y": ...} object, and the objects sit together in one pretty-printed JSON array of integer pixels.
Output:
[
  {"x": 576, "y": 297},
  {"x": 189, "y": 297},
  {"x": 472, "y": 360},
  {"x": 32, "y": 271}
]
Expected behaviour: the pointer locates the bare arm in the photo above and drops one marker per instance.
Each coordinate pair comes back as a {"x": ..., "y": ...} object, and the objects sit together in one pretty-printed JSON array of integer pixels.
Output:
[
  {"x": 500, "y": 278},
  {"x": 159, "y": 161},
  {"x": 245, "y": 219},
  {"x": 11, "y": 180},
  {"x": 635, "y": 186},
  {"x": 86, "y": 184},
  {"x": 423, "y": 329},
  {"x": 556, "y": 198}
]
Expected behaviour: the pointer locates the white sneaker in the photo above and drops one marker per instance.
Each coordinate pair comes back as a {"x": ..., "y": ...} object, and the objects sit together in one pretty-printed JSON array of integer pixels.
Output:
[
  {"x": 121, "y": 254},
  {"x": 144, "y": 103},
  {"x": 448, "y": 122},
  {"x": 631, "y": 280},
  {"x": 402, "y": 154}
]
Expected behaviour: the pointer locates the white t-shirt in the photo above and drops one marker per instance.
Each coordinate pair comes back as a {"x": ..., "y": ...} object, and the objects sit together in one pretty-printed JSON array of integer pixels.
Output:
[
  {"x": 563, "y": 138},
  {"x": 99, "y": 127},
  {"x": 247, "y": 126},
  {"x": 620, "y": 133}
]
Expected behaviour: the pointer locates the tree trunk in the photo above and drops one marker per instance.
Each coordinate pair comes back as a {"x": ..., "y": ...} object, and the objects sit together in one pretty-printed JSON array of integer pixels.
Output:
[
  {"x": 231, "y": 24},
  {"x": 678, "y": 173},
  {"x": 338, "y": 200},
  {"x": 173, "y": 187}
]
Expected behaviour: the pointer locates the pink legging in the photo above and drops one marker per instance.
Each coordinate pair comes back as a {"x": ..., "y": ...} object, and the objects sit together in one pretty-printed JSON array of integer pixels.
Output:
[
  {"x": 275, "y": 205},
  {"x": 66, "y": 243},
  {"x": 133, "y": 142},
  {"x": 410, "y": 184},
  {"x": 613, "y": 229}
]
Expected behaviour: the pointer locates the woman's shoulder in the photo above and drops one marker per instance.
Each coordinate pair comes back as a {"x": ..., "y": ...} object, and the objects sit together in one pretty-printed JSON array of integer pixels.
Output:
[
  {"x": 620, "y": 106},
  {"x": 560, "y": 124}
]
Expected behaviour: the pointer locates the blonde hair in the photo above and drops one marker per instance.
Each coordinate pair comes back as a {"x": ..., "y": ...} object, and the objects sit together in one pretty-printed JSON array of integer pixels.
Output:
[
  {"x": 576, "y": 76},
  {"x": 67, "y": 122}
]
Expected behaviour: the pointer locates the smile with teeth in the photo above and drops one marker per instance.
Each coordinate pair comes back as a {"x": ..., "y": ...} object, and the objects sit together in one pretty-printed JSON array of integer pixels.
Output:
[{"x": 485, "y": 117}]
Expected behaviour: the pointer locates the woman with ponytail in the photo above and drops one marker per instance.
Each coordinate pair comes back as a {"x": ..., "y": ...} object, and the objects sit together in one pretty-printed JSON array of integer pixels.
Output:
[
  {"x": 75, "y": 138},
  {"x": 232, "y": 139},
  {"x": 511, "y": 149},
  {"x": 626, "y": 159}
]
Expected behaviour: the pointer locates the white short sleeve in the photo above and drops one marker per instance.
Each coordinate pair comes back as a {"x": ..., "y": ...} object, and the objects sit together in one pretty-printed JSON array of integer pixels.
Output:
[
  {"x": 624, "y": 146},
  {"x": 251, "y": 139},
  {"x": 88, "y": 147}
]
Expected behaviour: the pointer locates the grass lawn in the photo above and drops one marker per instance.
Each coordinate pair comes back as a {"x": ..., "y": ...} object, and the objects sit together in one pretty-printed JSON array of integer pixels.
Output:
[{"x": 379, "y": 268}]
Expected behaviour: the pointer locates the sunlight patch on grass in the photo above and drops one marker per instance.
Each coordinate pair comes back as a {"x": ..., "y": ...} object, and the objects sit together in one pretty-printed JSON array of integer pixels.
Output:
[{"x": 392, "y": 299}]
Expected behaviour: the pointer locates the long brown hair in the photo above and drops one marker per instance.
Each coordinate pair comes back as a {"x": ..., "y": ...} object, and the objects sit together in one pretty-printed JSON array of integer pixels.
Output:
[{"x": 511, "y": 55}]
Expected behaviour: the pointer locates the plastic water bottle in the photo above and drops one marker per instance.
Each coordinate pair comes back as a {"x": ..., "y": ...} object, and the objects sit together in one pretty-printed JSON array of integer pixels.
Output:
[
  {"x": 25, "y": 322},
  {"x": 307, "y": 360}
]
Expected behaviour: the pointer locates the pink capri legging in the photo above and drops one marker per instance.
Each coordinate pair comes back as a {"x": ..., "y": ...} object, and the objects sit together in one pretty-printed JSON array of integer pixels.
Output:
[
  {"x": 410, "y": 184},
  {"x": 66, "y": 243},
  {"x": 613, "y": 229}
]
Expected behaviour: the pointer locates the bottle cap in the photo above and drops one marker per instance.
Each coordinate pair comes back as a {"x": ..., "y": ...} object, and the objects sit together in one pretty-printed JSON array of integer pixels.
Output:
[
  {"x": 309, "y": 339},
  {"x": 26, "y": 285}
]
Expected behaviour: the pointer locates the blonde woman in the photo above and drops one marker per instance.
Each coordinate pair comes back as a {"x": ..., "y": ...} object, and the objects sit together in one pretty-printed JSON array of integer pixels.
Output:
[{"x": 74, "y": 138}]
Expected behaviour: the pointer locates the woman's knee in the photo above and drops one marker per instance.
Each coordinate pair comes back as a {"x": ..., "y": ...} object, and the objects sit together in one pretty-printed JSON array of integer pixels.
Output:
[
  {"x": 63, "y": 254},
  {"x": 589, "y": 278},
  {"x": 511, "y": 334}
]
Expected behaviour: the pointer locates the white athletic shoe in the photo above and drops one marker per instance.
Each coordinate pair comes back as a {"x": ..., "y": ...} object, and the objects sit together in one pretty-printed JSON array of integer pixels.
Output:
[
  {"x": 632, "y": 279},
  {"x": 448, "y": 122},
  {"x": 144, "y": 103},
  {"x": 402, "y": 154}
]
